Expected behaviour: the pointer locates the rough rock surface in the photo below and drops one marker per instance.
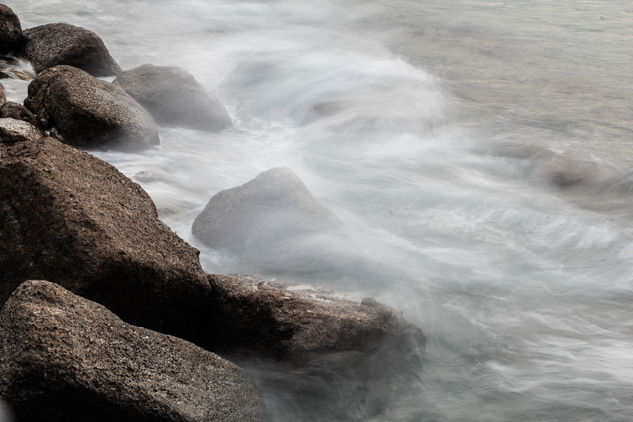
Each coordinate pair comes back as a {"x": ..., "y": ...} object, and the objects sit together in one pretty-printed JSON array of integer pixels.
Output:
[
  {"x": 59, "y": 43},
  {"x": 88, "y": 112},
  {"x": 274, "y": 225},
  {"x": 3, "y": 96},
  {"x": 11, "y": 38},
  {"x": 64, "y": 358},
  {"x": 174, "y": 97},
  {"x": 71, "y": 218},
  {"x": 19, "y": 112},
  {"x": 12, "y": 131},
  {"x": 288, "y": 324}
]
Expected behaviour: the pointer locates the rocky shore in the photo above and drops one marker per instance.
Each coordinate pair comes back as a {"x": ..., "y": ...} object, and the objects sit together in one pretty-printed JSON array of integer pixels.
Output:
[{"x": 122, "y": 322}]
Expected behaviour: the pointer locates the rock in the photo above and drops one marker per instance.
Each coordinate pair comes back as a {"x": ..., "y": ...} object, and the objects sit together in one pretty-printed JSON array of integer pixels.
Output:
[
  {"x": 174, "y": 97},
  {"x": 11, "y": 38},
  {"x": 3, "y": 96},
  {"x": 273, "y": 225},
  {"x": 64, "y": 358},
  {"x": 62, "y": 44},
  {"x": 88, "y": 112},
  {"x": 19, "y": 112},
  {"x": 13, "y": 130},
  {"x": 71, "y": 218},
  {"x": 290, "y": 324}
]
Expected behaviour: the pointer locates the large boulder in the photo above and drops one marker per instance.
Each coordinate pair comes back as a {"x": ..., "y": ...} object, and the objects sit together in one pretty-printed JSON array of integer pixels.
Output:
[
  {"x": 273, "y": 225},
  {"x": 174, "y": 97},
  {"x": 71, "y": 218},
  {"x": 298, "y": 323},
  {"x": 88, "y": 112},
  {"x": 64, "y": 358},
  {"x": 11, "y": 38},
  {"x": 59, "y": 43}
]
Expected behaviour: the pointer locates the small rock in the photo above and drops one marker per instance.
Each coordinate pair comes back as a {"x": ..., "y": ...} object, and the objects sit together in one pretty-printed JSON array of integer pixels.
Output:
[
  {"x": 13, "y": 130},
  {"x": 174, "y": 98},
  {"x": 64, "y": 358},
  {"x": 59, "y": 43},
  {"x": 89, "y": 112},
  {"x": 19, "y": 112}
]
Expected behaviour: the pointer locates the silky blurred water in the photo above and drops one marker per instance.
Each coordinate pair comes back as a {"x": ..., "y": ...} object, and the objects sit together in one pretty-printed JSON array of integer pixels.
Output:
[{"x": 479, "y": 151}]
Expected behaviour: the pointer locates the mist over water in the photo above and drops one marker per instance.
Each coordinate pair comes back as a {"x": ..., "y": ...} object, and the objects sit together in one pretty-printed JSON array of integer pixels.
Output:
[{"x": 479, "y": 154}]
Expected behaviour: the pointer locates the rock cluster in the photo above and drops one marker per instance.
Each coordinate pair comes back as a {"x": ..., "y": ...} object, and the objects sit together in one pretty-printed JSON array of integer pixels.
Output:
[{"x": 72, "y": 219}]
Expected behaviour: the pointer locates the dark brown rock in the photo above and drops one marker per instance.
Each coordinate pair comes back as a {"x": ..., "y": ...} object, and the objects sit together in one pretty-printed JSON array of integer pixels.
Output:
[
  {"x": 3, "y": 96},
  {"x": 71, "y": 218},
  {"x": 59, "y": 43},
  {"x": 11, "y": 38},
  {"x": 273, "y": 225},
  {"x": 64, "y": 358},
  {"x": 174, "y": 97},
  {"x": 286, "y": 323},
  {"x": 18, "y": 112},
  {"x": 89, "y": 112},
  {"x": 13, "y": 130}
]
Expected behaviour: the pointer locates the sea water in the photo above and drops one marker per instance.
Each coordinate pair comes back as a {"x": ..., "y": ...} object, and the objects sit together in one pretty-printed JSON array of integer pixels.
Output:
[{"x": 479, "y": 151}]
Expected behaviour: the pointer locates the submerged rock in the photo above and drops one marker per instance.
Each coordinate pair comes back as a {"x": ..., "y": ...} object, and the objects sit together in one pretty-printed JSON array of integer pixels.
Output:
[
  {"x": 88, "y": 112},
  {"x": 64, "y": 358},
  {"x": 19, "y": 112},
  {"x": 71, "y": 218},
  {"x": 62, "y": 44},
  {"x": 11, "y": 38},
  {"x": 174, "y": 97},
  {"x": 274, "y": 225}
]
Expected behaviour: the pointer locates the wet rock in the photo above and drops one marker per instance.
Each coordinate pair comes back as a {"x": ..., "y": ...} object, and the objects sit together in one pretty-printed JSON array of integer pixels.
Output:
[
  {"x": 286, "y": 322},
  {"x": 13, "y": 130},
  {"x": 174, "y": 97},
  {"x": 64, "y": 358},
  {"x": 88, "y": 112},
  {"x": 71, "y": 218},
  {"x": 62, "y": 44},
  {"x": 11, "y": 38},
  {"x": 273, "y": 225},
  {"x": 18, "y": 112}
]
